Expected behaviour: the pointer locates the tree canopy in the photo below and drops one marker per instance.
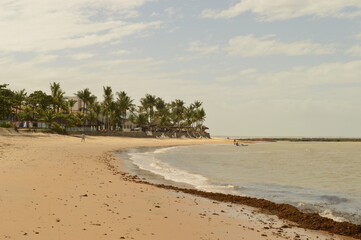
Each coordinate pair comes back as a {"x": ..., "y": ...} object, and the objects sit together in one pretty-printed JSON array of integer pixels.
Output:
[{"x": 111, "y": 113}]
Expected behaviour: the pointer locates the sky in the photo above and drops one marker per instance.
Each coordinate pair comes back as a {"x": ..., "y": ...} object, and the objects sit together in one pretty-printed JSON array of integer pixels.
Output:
[{"x": 260, "y": 67}]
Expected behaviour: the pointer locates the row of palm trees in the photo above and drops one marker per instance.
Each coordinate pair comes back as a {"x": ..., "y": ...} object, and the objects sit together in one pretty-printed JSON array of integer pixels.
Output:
[{"x": 152, "y": 114}]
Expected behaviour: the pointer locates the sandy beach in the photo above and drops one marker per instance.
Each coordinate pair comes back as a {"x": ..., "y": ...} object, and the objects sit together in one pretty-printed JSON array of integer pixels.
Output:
[{"x": 55, "y": 187}]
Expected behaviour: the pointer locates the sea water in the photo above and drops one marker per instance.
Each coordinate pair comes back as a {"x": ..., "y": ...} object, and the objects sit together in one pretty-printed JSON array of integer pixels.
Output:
[{"x": 313, "y": 176}]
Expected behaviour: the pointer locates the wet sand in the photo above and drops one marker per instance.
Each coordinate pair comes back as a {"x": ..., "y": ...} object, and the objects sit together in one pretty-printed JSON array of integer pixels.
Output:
[{"x": 55, "y": 187}]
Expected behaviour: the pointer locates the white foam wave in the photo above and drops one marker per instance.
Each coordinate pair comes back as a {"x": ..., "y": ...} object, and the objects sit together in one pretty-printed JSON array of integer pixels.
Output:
[
  {"x": 163, "y": 150},
  {"x": 149, "y": 163},
  {"x": 228, "y": 189},
  {"x": 329, "y": 214}
]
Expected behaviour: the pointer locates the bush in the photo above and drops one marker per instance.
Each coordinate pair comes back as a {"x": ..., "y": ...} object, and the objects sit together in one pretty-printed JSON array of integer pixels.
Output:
[
  {"x": 6, "y": 125},
  {"x": 55, "y": 127}
]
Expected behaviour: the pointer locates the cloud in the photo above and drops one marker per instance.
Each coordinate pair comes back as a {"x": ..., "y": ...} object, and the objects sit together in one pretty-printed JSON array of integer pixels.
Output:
[
  {"x": 199, "y": 47},
  {"x": 267, "y": 10},
  {"x": 81, "y": 56},
  {"x": 41, "y": 59},
  {"x": 354, "y": 51},
  {"x": 249, "y": 45},
  {"x": 357, "y": 36},
  {"x": 121, "y": 52},
  {"x": 170, "y": 11},
  {"x": 304, "y": 101},
  {"x": 243, "y": 74},
  {"x": 41, "y": 26},
  {"x": 327, "y": 74}
]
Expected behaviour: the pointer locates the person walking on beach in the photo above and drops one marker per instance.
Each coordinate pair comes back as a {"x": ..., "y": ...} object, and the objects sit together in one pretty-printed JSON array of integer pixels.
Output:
[{"x": 83, "y": 137}]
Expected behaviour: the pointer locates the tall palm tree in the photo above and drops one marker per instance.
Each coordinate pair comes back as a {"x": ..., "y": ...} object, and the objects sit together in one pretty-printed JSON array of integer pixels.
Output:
[
  {"x": 189, "y": 116},
  {"x": 107, "y": 105},
  {"x": 124, "y": 104},
  {"x": 200, "y": 116},
  {"x": 139, "y": 118},
  {"x": 162, "y": 114},
  {"x": 177, "y": 111},
  {"x": 96, "y": 110},
  {"x": 19, "y": 100},
  {"x": 197, "y": 104},
  {"x": 48, "y": 116},
  {"x": 87, "y": 99},
  {"x": 71, "y": 103},
  {"x": 57, "y": 95},
  {"x": 148, "y": 103}
]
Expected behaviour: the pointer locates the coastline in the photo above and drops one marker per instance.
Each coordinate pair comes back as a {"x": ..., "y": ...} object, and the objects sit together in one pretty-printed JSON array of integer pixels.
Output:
[
  {"x": 56, "y": 187},
  {"x": 312, "y": 221}
]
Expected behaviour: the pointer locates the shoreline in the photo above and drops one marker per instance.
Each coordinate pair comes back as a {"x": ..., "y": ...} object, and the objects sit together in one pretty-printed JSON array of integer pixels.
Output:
[
  {"x": 300, "y": 139},
  {"x": 312, "y": 221},
  {"x": 56, "y": 187}
]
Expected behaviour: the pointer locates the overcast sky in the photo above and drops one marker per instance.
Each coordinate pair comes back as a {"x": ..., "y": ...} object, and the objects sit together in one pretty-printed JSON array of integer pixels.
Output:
[{"x": 261, "y": 67}]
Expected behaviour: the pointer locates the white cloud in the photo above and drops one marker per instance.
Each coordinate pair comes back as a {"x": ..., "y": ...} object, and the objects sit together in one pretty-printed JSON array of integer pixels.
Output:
[
  {"x": 121, "y": 52},
  {"x": 82, "y": 56},
  {"x": 170, "y": 11},
  {"x": 154, "y": 14},
  {"x": 304, "y": 101},
  {"x": 323, "y": 74},
  {"x": 357, "y": 36},
  {"x": 198, "y": 46},
  {"x": 41, "y": 59},
  {"x": 354, "y": 51},
  {"x": 243, "y": 74},
  {"x": 271, "y": 10},
  {"x": 174, "y": 13},
  {"x": 249, "y": 45},
  {"x": 60, "y": 24}
]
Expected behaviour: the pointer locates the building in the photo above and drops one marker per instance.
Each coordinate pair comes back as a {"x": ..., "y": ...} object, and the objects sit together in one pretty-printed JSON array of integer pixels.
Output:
[{"x": 78, "y": 104}]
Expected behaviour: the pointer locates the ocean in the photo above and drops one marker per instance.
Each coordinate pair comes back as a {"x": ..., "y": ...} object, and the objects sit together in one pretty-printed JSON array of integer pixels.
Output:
[{"x": 320, "y": 177}]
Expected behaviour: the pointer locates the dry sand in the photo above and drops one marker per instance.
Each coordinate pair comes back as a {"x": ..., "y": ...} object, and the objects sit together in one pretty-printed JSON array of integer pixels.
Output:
[{"x": 55, "y": 187}]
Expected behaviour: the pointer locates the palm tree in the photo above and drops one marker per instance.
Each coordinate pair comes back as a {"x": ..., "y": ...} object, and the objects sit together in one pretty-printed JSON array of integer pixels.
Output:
[
  {"x": 57, "y": 95},
  {"x": 197, "y": 104},
  {"x": 177, "y": 111},
  {"x": 80, "y": 94},
  {"x": 87, "y": 99},
  {"x": 19, "y": 99},
  {"x": 152, "y": 110},
  {"x": 71, "y": 103},
  {"x": 189, "y": 116},
  {"x": 139, "y": 118},
  {"x": 107, "y": 105},
  {"x": 148, "y": 103},
  {"x": 162, "y": 114},
  {"x": 200, "y": 116},
  {"x": 96, "y": 110},
  {"x": 48, "y": 116},
  {"x": 27, "y": 114},
  {"x": 124, "y": 104}
]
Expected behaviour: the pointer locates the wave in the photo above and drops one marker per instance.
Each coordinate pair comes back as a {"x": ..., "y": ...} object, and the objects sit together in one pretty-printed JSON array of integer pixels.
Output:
[
  {"x": 328, "y": 213},
  {"x": 146, "y": 161},
  {"x": 333, "y": 205},
  {"x": 164, "y": 150}
]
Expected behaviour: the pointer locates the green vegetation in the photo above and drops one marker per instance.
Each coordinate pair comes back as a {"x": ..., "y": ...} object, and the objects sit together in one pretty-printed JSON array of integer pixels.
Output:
[
  {"x": 115, "y": 109},
  {"x": 5, "y": 125}
]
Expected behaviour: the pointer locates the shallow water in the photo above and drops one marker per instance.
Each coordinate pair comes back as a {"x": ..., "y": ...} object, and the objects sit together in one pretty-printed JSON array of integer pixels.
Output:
[{"x": 314, "y": 176}]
